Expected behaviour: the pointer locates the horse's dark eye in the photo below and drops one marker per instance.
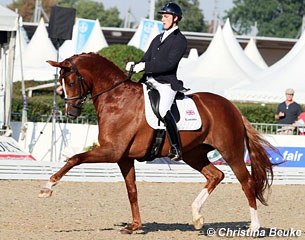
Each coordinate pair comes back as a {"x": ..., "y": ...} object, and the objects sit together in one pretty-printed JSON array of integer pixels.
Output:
[{"x": 72, "y": 84}]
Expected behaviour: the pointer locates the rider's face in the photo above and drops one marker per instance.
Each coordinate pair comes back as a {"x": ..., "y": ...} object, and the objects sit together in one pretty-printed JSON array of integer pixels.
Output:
[{"x": 167, "y": 20}]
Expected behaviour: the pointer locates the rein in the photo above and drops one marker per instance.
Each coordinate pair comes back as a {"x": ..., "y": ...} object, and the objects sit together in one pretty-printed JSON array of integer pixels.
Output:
[
  {"x": 115, "y": 85},
  {"x": 112, "y": 87}
]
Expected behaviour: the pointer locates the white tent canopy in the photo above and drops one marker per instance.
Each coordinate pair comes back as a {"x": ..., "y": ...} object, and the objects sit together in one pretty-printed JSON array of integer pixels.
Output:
[
  {"x": 271, "y": 84},
  {"x": 9, "y": 25},
  {"x": 8, "y": 19},
  {"x": 38, "y": 51},
  {"x": 193, "y": 54},
  {"x": 254, "y": 55},
  {"x": 96, "y": 39},
  {"x": 192, "y": 57},
  {"x": 215, "y": 70},
  {"x": 237, "y": 52}
]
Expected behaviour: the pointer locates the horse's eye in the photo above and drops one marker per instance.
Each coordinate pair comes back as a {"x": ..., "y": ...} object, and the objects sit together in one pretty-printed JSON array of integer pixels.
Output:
[{"x": 72, "y": 84}]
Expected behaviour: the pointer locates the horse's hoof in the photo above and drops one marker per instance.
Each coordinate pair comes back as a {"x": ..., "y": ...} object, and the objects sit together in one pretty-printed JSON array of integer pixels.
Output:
[
  {"x": 126, "y": 231},
  {"x": 130, "y": 228},
  {"x": 45, "y": 193},
  {"x": 198, "y": 223},
  {"x": 254, "y": 227}
]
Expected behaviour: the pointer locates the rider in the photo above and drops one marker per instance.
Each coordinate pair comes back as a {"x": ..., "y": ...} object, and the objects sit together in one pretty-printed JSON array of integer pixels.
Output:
[{"x": 160, "y": 63}]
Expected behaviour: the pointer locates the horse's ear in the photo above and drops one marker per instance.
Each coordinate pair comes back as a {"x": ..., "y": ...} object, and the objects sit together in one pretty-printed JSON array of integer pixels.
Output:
[
  {"x": 53, "y": 63},
  {"x": 63, "y": 64}
]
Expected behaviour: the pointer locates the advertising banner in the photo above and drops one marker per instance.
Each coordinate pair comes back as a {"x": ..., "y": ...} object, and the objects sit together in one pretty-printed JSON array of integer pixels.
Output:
[
  {"x": 10, "y": 149},
  {"x": 291, "y": 152},
  {"x": 150, "y": 29},
  {"x": 84, "y": 29},
  {"x": 146, "y": 32}
]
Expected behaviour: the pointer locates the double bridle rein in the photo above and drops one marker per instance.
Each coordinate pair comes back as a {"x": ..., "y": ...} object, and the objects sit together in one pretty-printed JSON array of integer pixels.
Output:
[{"x": 83, "y": 94}]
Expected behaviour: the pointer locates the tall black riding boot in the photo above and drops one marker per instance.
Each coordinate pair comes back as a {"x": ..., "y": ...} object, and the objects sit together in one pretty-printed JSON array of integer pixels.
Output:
[{"x": 173, "y": 136}]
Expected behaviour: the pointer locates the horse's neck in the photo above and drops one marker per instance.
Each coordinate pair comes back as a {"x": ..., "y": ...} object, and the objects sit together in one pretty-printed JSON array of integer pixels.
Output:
[
  {"x": 104, "y": 83},
  {"x": 123, "y": 97}
]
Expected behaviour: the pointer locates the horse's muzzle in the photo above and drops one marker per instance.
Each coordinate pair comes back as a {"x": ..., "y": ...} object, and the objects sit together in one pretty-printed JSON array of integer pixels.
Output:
[{"x": 73, "y": 111}]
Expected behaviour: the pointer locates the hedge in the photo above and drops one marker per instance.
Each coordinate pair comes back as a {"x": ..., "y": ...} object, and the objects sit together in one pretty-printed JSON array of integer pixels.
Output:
[{"x": 42, "y": 101}]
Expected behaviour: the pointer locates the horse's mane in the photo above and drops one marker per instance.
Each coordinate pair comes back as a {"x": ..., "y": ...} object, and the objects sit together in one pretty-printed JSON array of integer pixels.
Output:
[{"x": 98, "y": 60}]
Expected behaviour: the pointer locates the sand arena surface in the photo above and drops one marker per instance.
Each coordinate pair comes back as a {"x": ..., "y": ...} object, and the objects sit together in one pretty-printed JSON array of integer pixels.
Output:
[{"x": 99, "y": 210}]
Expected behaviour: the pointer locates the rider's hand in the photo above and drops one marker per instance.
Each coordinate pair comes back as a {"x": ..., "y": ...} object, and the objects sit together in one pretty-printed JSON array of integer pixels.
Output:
[
  {"x": 139, "y": 67},
  {"x": 129, "y": 65}
]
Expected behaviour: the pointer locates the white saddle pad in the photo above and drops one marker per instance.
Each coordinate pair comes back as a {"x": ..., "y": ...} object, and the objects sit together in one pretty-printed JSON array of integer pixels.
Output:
[{"x": 189, "y": 115}]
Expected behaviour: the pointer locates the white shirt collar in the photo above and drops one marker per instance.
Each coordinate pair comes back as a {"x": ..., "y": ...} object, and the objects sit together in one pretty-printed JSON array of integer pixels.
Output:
[{"x": 168, "y": 32}]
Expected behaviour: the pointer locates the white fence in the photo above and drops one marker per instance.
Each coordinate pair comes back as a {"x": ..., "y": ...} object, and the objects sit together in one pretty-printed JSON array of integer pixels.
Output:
[
  {"x": 109, "y": 172},
  {"x": 78, "y": 136}
]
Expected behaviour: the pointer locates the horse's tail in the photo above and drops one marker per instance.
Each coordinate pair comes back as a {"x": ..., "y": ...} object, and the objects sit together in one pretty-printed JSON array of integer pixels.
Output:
[{"x": 261, "y": 166}]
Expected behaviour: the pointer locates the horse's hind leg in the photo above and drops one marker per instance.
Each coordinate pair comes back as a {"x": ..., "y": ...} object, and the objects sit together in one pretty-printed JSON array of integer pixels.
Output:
[
  {"x": 214, "y": 176},
  {"x": 200, "y": 162},
  {"x": 247, "y": 183}
]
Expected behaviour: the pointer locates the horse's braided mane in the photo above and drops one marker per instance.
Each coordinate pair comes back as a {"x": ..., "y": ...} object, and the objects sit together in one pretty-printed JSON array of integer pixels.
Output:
[{"x": 106, "y": 62}]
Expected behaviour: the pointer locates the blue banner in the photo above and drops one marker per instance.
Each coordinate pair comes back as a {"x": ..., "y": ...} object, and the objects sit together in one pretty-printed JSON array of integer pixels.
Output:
[
  {"x": 148, "y": 29},
  {"x": 145, "y": 33},
  {"x": 290, "y": 156},
  {"x": 84, "y": 29},
  {"x": 160, "y": 26}
]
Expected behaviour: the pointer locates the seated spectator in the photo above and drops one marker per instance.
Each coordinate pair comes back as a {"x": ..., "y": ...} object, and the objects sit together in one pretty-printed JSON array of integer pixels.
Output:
[{"x": 300, "y": 124}]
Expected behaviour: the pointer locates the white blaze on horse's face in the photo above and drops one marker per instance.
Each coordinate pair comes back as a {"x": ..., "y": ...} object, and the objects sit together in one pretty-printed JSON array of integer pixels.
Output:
[
  {"x": 64, "y": 87},
  {"x": 65, "y": 92}
]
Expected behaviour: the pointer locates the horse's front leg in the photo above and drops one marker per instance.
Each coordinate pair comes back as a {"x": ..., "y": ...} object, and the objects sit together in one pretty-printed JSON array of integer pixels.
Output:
[
  {"x": 128, "y": 172},
  {"x": 93, "y": 156},
  {"x": 47, "y": 190}
]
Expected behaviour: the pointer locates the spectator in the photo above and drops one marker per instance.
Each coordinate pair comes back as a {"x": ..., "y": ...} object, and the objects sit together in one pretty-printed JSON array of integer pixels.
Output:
[
  {"x": 60, "y": 91},
  {"x": 300, "y": 124},
  {"x": 287, "y": 112}
]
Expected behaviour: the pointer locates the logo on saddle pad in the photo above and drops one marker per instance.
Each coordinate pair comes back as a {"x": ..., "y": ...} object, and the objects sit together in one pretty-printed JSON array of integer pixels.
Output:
[{"x": 189, "y": 118}]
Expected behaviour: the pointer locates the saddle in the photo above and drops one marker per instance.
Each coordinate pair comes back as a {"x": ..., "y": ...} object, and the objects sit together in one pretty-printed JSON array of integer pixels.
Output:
[
  {"x": 183, "y": 109},
  {"x": 154, "y": 97}
]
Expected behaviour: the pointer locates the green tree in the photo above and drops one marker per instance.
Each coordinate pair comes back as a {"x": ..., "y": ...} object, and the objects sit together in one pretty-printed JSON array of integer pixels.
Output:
[
  {"x": 90, "y": 9},
  {"x": 272, "y": 18},
  {"x": 120, "y": 54},
  {"x": 193, "y": 18},
  {"x": 26, "y": 8}
]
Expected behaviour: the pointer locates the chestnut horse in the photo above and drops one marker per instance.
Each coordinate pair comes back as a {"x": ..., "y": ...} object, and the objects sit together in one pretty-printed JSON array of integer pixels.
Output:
[{"x": 125, "y": 136}]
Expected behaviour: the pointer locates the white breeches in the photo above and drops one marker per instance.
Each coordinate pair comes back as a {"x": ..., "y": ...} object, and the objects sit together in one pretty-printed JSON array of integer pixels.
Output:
[{"x": 167, "y": 95}]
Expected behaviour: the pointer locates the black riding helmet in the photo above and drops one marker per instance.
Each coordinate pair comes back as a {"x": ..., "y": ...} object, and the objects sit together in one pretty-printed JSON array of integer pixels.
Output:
[{"x": 172, "y": 8}]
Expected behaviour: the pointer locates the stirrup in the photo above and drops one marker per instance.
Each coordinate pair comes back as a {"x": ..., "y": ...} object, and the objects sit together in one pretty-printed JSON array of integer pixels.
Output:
[{"x": 174, "y": 154}]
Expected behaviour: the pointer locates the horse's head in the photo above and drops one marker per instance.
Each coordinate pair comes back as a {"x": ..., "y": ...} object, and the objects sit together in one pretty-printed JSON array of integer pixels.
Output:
[
  {"x": 83, "y": 74},
  {"x": 74, "y": 87}
]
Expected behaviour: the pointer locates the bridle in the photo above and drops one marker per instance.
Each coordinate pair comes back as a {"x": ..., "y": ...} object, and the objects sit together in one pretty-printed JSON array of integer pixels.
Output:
[{"x": 83, "y": 85}]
